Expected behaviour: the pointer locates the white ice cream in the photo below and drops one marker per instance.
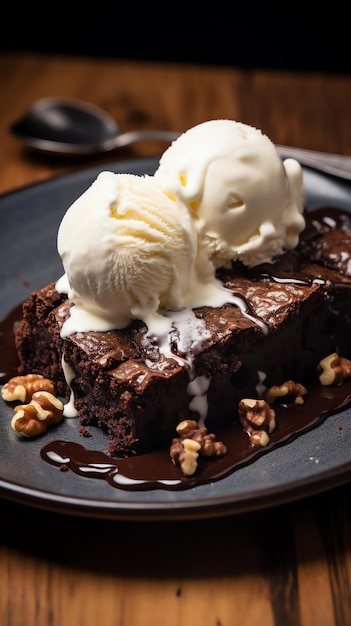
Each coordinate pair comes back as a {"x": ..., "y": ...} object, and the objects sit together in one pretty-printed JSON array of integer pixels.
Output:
[
  {"x": 127, "y": 250},
  {"x": 145, "y": 247},
  {"x": 130, "y": 251},
  {"x": 245, "y": 203}
]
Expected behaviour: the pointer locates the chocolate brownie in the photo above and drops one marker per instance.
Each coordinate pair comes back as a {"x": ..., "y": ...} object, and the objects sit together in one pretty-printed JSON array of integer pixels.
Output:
[{"x": 294, "y": 312}]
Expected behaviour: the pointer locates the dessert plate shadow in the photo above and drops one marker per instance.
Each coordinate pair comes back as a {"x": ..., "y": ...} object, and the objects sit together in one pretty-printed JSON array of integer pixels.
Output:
[{"x": 314, "y": 462}]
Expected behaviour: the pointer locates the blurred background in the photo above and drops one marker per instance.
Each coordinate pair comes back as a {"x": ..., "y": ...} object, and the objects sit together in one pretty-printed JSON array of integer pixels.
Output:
[{"x": 264, "y": 35}]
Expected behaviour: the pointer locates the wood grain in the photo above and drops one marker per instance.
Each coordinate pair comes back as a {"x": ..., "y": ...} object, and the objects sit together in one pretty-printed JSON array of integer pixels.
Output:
[
  {"x": 286, "y": 566},
  {"x": 302, "y": 109}
]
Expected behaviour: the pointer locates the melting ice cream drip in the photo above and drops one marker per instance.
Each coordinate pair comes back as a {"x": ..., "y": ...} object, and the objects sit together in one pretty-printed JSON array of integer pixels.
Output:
[{"x": 69, "y": 409}]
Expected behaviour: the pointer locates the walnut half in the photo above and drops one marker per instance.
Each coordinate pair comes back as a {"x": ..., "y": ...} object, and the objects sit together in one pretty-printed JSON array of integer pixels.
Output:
[
  {"x": 289, "y": 392},
  {"x": 34, "y": 418},
  {"x": 257, "y": 419},
  {"x": 22, "y": 387},
  {"x": 334, "y": 369},
  {"x": 193, "y": 441}
]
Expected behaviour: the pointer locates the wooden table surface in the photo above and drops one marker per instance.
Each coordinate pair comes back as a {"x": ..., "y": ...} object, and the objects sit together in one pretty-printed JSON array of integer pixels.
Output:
[{"x": 285, "y": 566}]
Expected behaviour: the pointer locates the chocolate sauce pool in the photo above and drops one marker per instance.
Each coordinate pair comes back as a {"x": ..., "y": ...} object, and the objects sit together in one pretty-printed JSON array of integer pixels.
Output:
[{"x": 155, "y": 470}]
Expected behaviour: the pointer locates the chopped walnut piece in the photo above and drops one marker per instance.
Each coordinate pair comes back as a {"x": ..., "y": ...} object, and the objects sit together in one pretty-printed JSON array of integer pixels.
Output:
[
  {"x": 22, "y": 387},
  {"x": 257, "y": 419},
  {"x": 188, "y": 463},
  {"x": 185, "y": 454},
  {"x": 84, "y": 432},
  {"x": 259, "y": 438},
  {"x": 334, "y": 369},
  {"x": 288, "y": 392},
  {"x": 34, "y": 418},
  {"x": 187, "y": 428}
]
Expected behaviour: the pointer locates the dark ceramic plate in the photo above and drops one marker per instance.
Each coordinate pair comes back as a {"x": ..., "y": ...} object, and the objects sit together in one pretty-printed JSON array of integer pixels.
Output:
[{"x": 316, "y": 461}]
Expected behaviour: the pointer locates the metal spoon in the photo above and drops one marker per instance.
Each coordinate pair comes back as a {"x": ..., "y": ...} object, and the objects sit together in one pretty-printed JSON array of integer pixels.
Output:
[{"x": 71, "y": 127}]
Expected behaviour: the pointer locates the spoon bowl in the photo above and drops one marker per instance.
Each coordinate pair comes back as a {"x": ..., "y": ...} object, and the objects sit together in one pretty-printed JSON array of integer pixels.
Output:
[{"x": 71, "y": 127}]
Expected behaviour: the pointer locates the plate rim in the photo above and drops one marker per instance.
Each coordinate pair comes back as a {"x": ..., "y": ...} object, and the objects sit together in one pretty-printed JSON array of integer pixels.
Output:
[{"x": 206, "y": 508}]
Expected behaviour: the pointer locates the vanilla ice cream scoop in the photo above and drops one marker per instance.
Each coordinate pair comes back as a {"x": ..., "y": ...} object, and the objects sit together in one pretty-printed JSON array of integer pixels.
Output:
[
  {"x": 127, "y": 251},
  {"x": 245, "y": 202}
]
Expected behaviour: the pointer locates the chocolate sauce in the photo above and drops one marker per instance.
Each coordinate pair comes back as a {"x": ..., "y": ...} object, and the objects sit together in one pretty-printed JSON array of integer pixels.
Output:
[{"x": 155, "y": 470}]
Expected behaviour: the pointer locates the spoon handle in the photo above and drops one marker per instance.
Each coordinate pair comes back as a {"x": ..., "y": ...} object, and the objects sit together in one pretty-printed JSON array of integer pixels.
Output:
[
  {"x": 335, "y": 164},
  {"x": 133, "y": 136}
]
